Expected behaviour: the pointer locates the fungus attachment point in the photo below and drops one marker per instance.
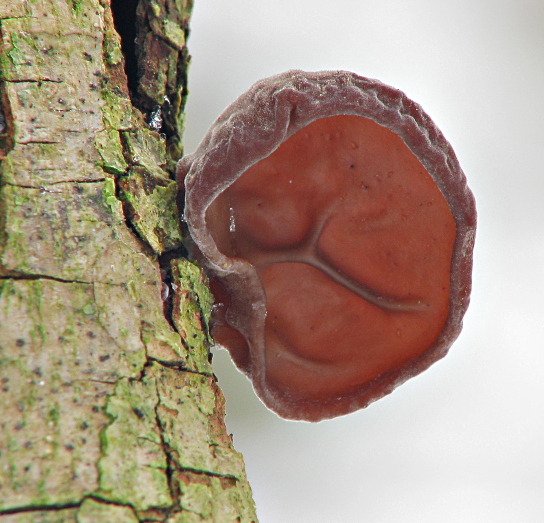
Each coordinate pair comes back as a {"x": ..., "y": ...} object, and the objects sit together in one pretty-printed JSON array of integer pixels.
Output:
[{"x": 337, "y": 228}]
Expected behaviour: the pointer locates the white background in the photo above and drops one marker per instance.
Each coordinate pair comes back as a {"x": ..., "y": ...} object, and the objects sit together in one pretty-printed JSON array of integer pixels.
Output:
[{"x": 464, "y": 441}]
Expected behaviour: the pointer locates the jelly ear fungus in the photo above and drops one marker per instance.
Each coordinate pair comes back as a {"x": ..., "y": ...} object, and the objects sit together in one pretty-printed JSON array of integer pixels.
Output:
[{"x": 337, "y": 229}]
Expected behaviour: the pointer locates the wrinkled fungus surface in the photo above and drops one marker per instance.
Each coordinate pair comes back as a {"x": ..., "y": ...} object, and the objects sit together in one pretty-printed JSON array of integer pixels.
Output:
[{"x": 337, "y": 229}]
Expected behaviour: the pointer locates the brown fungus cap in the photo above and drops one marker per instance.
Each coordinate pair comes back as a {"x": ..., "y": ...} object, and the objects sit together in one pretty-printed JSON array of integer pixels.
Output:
[{"x": 337, "y": 229}]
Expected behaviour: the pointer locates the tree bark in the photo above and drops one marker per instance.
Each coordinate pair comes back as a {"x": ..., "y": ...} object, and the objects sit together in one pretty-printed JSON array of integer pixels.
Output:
[{"x": 109, "y": 409}]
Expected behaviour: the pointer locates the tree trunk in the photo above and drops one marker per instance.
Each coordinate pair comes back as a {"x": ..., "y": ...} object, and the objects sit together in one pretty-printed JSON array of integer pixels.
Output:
[{"x": 109, "y": 407}]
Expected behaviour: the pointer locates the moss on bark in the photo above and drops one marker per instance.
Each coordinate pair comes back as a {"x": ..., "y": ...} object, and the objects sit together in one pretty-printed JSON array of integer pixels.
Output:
[{"x": 109, "y": 407}]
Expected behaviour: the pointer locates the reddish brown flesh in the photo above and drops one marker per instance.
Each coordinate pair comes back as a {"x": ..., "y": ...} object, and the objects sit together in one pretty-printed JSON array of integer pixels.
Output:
[
  {"x": 353, "y": 242},
  {"x": 337, "y": 228}
]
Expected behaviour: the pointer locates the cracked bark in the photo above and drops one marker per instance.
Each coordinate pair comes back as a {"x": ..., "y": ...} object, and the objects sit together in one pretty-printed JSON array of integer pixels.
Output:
[{"x": 109, "y": 407}]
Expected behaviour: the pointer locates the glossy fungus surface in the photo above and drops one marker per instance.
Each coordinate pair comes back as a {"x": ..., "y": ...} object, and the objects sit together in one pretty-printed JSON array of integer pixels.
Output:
[{"x": 337, "y": 229}]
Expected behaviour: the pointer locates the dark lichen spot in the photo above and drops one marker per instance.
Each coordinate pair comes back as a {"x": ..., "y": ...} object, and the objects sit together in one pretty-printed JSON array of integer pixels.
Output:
[{"x": 138, "y": 412}]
